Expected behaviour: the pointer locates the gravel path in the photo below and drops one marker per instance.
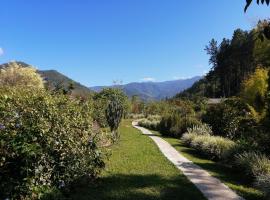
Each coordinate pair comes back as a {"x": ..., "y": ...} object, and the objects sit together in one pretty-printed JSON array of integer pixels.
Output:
[{"x": 212, "y": 188}]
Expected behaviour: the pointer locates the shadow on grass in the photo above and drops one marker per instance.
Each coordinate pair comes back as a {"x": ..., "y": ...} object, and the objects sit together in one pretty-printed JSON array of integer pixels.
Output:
[
  {"x": 225, "y": 172},
  {"x": 137, "y": 187}
]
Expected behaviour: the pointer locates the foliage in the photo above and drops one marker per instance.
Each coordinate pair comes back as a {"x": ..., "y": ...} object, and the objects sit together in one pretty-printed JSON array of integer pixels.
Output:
[
  {"x": 135, "y": 116},
  {"x": 258, "y": 166},
  {"x": 173, "y": 125},
  {"x": 114, "y": 113},
  {"x": 254, "y": 88},
  {"x": 223, "y": 170},
  {"x": 214, "y": 147},
  {"x": 253, "y": 163},
  {"x": 263, "y": 182},
  {"x": 46, "y": 143},
  {"x": 232, "y": 118},
  {"x": 232, "y": 61},
  {"x": 267, "y": 119},
  {"x": 179, "y": 116},
  {"x": 203, "y": 129},
  {"x": 258, "y": 2},
  {"x": 13, "y": 74},
  {"x": 137, "y": 105},
  {"x": 101, "y": 101},
  {"x": 149, "y": 124},
  {"x": 189, "y": 136}
]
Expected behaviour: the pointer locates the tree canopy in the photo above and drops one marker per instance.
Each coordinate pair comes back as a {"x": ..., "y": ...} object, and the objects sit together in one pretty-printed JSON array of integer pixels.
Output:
[
  {"x": 232, "y": 61},
  {"x": 16, "y": 75},
  {"x": 258, "y": 2}
]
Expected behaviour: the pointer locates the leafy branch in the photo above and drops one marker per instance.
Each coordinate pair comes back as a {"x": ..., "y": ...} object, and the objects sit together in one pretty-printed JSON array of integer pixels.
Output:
[{"x": 258, "y": 2}]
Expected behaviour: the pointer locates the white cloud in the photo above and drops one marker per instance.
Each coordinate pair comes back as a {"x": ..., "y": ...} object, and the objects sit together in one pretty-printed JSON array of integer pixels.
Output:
[
  {"x": 1, "y": 51},
  {"x": 147, "y": 79}
]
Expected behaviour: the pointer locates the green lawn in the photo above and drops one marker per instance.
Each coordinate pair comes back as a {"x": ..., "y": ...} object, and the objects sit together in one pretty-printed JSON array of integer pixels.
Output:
[
  {"x": 136, "y": 170},
  {"x": 231, "y": 177}
]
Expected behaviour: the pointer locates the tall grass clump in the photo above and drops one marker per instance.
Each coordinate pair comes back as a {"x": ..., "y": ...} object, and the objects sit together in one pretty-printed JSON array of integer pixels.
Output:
[
  {"x": 214, "y": 147},
  {"x": 152, "y": 125},
  {"x": 196, "y": 130},
  {"x": 256, "y": 165}
]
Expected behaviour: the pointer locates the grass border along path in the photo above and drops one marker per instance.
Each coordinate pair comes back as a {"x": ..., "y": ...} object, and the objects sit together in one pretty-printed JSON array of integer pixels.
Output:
[
  {"x": 238, "y": 182},
  {"x": 137, "y": 170},
  {"x": 211, "y": 187}
]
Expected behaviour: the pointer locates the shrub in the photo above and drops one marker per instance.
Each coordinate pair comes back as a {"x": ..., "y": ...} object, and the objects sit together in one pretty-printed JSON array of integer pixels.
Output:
[
  {"x": 46, "y": 143},
  {"x": 218, "y": 147},
  {"x": 187, "y": 138},
  {"x": 101, "y": 101},
  {"x": 196, "y": 130},
  {"x": 136, "y": 116},
  {"x": 232, "y": 118},
  {"x": 253, "y": 163},
  {"x": 154, "y": 117},
  {"x": 153, "y": 125},
  {"x": 174, "y": 125},
  {"x": 13, "y": 74},
  {"x": 263, "y": 182},
  {"x": 203, "y": 129},
  {"x": 214, "y": 147},
  {"x": 114, "y": 113},
  {"x": 258, "y": 166},
  {"x": 254, "y": 88}
]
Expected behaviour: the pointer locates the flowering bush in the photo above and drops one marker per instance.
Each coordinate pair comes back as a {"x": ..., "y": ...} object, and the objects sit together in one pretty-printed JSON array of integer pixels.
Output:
[{"x": 46, "y": 143}]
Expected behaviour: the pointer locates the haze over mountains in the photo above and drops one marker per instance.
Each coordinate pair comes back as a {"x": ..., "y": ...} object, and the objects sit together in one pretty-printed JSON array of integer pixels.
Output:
[{"x": 154, "y": 90}]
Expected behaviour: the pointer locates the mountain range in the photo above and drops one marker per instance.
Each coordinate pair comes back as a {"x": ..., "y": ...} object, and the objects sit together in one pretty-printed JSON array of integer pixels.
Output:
[
  {"x": 154, "y": 90},
  {"x": 145, "y": 90}
]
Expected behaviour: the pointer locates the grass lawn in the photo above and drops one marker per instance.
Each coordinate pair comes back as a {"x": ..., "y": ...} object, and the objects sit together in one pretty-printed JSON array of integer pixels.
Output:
[
  {"x": 136, "y": 170},
  {"x": 231, "y": 177}
]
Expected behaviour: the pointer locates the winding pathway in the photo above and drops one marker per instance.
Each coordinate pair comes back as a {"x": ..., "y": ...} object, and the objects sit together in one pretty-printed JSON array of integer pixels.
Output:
[{"x": 212, "y": 188}]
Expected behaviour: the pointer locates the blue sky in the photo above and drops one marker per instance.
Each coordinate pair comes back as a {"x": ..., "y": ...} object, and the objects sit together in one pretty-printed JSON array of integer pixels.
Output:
[{"x": 97, "y": 42}]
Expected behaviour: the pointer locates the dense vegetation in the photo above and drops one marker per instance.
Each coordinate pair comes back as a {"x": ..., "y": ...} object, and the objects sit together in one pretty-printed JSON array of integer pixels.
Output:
[
  {"x": 233, "y": 60},
  {"x": 236, "y": 131},
  {"x": 48, "y": 139},
  {"x": 55, "y": 80}
]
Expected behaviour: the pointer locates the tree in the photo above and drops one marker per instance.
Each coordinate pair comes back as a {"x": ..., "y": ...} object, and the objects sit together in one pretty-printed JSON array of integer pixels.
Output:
[
  {"x": 114, "y": 113},
  {"x": 265, "y": 32},
  {"x": 106, "y": 108},
  {"x": 268, "y": 102},
  {"x": 255, "y": 87},
  {"x": 16, "y": 75},
  {"x": 258, "y": 2}
]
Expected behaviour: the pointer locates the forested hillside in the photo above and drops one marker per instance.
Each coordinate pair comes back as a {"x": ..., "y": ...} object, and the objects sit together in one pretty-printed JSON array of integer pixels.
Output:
[
  {"x": 232, "y": 61},
  {"x": 56, "y": 80}
]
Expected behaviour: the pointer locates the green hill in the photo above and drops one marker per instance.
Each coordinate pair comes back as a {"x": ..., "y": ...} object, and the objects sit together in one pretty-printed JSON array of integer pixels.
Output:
[{"x": 55, "y": 79}]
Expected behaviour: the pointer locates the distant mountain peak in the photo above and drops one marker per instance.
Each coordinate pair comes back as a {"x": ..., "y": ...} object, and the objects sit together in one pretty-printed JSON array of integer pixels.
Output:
[{"x": 154, "y": 90}]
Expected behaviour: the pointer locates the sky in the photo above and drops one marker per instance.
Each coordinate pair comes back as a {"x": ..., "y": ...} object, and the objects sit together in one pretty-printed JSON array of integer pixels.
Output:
[{"x": 97, "y": 42}]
